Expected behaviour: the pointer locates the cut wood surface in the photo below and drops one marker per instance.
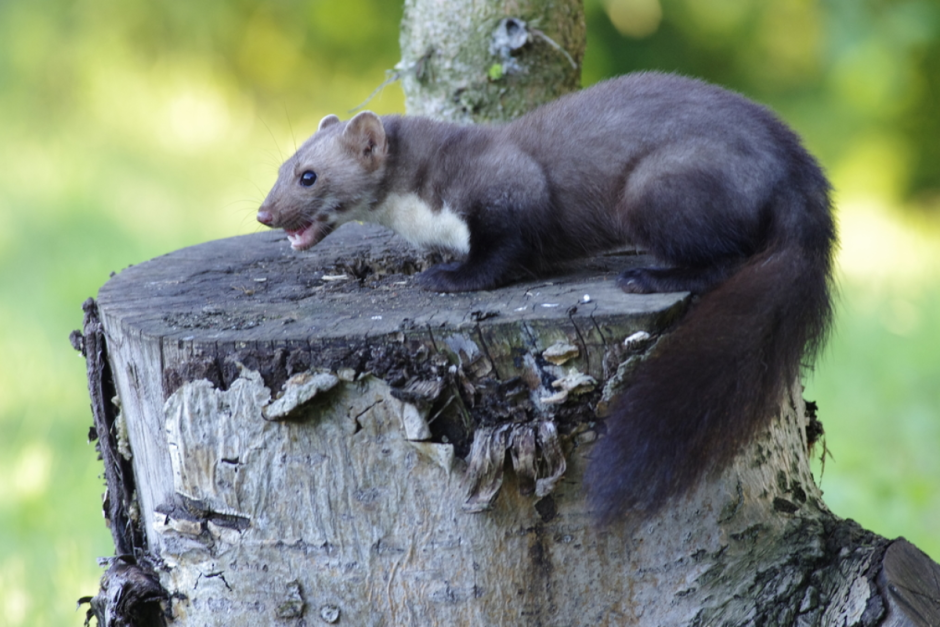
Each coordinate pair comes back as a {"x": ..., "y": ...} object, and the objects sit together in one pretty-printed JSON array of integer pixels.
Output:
[{"x": 315, "y": 440}]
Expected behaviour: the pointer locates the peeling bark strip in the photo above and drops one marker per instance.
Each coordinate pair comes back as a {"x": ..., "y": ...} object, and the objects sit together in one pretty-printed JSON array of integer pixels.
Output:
[
  {"x": 537, "y": 460},
  {"x": 90, "y": 342},
  {"x": 302, "y": 432},
  {"x": 130, "y": 593}
]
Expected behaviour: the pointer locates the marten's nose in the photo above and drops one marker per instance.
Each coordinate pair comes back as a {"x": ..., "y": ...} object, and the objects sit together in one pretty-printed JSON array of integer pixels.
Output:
[{"x": 265, "y": 217}]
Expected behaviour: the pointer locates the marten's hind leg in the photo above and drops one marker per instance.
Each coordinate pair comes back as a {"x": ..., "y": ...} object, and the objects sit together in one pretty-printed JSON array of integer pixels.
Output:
[
  {"x": 697, "y": 222},
  {"x": 695, "y": 280}
]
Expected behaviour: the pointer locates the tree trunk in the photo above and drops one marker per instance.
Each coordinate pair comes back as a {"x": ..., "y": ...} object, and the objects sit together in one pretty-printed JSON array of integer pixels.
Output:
[
  {"x": 489, "y": 60},
  {"x": 313, "y": 439}
]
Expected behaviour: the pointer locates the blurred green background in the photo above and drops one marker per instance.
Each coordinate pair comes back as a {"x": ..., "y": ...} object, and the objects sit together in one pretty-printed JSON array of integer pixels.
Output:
[{"x": 128, "y": 130}]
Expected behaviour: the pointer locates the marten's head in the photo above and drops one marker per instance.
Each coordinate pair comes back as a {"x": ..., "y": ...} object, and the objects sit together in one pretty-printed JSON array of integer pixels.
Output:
[{"x": 334, "y": 178}]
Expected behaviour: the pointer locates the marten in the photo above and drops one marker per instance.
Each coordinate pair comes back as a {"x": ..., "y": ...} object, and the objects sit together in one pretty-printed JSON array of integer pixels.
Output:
[{"x": 717, "y": 189}]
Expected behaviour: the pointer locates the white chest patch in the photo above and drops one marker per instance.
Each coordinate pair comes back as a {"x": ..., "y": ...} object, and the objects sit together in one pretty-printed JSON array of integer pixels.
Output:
[{"x": 413, "y": 219}]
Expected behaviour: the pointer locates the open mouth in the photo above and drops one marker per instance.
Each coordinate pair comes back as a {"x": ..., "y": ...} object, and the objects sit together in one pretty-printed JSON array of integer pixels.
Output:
[{"x": 307, "y": 234}]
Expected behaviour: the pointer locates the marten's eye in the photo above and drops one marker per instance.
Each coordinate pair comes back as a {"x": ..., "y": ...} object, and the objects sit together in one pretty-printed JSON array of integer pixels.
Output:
[{"x": 308, "y": 178}]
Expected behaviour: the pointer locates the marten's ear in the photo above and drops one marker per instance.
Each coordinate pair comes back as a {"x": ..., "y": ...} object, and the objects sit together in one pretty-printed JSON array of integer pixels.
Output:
[
  {"x": 329, "y": 120},
  {"x": 365, "y": 134}
]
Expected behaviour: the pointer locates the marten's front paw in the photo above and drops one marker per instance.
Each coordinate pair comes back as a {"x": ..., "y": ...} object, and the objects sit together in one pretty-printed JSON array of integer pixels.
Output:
[
  {"x": 455, "y": 277},
  {"x": 441, "y": 278}
]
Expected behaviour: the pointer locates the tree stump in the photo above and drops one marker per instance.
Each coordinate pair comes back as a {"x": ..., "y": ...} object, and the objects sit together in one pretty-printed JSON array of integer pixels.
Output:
[{"x": 302, "y": 439}]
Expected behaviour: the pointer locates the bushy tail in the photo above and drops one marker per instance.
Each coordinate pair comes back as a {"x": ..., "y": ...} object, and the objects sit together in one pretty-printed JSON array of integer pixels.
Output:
[{"x": 719, "y": 376}]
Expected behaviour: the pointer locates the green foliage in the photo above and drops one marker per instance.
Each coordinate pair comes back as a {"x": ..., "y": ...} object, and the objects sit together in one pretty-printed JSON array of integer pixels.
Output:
[
  {"x": 879, "y": 402},
  {"x": 132, "y": 129}
]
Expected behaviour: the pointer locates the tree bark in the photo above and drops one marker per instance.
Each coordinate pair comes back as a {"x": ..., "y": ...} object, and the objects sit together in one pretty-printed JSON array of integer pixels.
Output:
[
  {"x": 489, "y": 60},
  {"x": 316, "y": 440}
]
